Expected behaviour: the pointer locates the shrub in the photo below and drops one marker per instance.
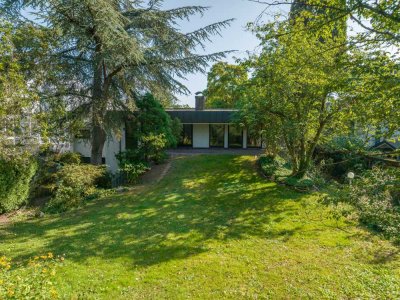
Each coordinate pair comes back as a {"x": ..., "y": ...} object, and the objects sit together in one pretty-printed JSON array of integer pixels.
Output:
[
  {"x": 341, "y": 155},
  {"x": 69, "y": 158},
  {"x": 300, "y": 183},
  {"x": 34, "y": 280},
  {"x": 376, "y": 196},
  {"x": 76, "y": 183},
  {"x": 132, "y": 171},
  {"x": 270, "y": 164},
  {"x": 131, "y": 165},
  {"x": 16, "y": 174},
  {"x": 153, "y": 147}
]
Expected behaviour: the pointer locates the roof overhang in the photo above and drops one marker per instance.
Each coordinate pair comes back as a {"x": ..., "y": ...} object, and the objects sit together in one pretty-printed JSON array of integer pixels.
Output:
[{"x": 214, "y": 116}]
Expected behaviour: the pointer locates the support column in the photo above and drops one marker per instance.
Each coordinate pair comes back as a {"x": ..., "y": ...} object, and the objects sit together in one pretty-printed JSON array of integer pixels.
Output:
[
  {"x": 244, "y": 138},
  {"x": 226, "y": 137}
]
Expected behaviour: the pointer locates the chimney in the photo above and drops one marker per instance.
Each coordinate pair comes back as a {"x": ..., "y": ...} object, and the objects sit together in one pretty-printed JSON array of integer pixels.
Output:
[{"x": 200, "y": 101}]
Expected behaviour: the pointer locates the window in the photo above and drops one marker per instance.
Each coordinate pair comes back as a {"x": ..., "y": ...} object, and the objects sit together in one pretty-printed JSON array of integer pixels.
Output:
[
  {"x": 217, "y": 135},
  {"x": 186, "y": 136},
  {"x": 130, "y": 136},
  {"x": 235, "y": 137}
]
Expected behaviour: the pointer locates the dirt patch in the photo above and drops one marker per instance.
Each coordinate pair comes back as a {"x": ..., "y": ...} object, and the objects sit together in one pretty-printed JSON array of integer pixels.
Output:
[
  {"x": 4, "y": 219},
  {"x": 156, "y": 174}
]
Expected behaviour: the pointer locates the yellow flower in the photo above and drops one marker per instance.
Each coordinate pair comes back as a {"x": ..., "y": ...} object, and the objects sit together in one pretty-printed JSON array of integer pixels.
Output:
[
  {"x": 54, "y": 294},
  {"x": 50, "y": 255}
]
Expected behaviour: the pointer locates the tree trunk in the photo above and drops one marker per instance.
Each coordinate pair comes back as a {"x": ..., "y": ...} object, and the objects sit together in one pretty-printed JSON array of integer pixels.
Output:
[
  {"x": 98, "y": 136},
  {"x": 98, "y": 141}
]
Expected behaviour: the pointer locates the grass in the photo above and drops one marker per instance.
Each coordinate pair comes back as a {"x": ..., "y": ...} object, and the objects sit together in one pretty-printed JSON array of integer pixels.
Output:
[{"x": 211, "y": 229}]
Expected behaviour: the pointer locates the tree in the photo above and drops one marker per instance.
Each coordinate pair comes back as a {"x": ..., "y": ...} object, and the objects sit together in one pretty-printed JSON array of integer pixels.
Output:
[
  {"x": 374, "y": 66},
  {"x": 378, "y": 20},
  {"x": 224, "y": 85},
  {"x": 152, "y": 119},
  {"x": 297, "y": 86},
  {"x": 110, "y": 51},
  {"x": 15, "y": 97}
]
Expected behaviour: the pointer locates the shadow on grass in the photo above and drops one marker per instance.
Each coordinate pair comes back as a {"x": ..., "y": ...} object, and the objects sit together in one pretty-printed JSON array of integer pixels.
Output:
[{"x": 203, "y": 198}]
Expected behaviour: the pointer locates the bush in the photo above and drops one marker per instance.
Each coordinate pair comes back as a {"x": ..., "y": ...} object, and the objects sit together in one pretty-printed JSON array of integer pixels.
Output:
[
  {"x": 341, "y": 155},
  {"x": 75, "y": 184},
  {"x": 303, "y": 184},
  {"x": 131, "y": 165},
  {"x": 376, "y": 196},
  {"x": 35, "y": 280},
  {"x": 132, "y": 171},
  {"x": 15, "y": 179},
  {"x": 270, "y": 164},
  {"x": 153, "y": 146},
  {"x": 69, "y": 158}
]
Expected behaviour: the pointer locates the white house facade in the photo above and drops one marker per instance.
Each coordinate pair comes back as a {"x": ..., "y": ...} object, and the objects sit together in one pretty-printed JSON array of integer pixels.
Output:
[{"x": 202, "y": 129}]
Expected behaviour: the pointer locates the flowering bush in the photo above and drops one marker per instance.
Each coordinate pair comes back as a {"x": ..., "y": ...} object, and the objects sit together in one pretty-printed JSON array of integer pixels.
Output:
[{"x": 31, "y": 281}]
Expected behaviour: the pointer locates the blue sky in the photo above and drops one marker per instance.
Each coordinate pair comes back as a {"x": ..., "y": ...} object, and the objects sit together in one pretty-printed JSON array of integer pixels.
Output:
[{"x": 234, "y": 37}]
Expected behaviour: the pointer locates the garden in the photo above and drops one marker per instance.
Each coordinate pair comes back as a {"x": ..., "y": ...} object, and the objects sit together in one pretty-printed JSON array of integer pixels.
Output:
[{"x": 317, "y": 215}]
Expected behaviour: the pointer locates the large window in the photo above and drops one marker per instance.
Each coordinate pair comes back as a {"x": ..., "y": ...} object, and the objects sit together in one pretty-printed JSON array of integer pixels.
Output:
[
  {"x": 217, "y": 133},
  {"x": 235, "y": 137},
  {"x": 187, "y": 136}
]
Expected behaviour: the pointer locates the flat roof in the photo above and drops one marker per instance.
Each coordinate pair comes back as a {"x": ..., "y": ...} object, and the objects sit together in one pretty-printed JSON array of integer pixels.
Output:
[{"x": 192, "y": 116}]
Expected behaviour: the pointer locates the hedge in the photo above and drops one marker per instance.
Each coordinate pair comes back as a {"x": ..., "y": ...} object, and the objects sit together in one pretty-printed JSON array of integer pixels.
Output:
[{"x": 15, "y": 178}]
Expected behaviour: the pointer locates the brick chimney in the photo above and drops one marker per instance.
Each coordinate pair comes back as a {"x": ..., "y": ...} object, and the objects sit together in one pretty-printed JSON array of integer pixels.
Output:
[{"x": 200, "y": 101}]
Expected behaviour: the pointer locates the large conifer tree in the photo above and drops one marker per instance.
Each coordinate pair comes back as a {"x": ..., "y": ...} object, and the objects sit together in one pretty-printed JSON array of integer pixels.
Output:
[{"x": 111, "y": 50}]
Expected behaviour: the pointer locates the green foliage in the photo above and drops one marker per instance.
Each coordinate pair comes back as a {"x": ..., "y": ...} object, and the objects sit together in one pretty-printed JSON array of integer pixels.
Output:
[
  {"x": 132, "y": 165},
  {"x": 211, "y": 216},
  {"x": 154, "y": 121},
  {"x": 34, "y": 280},
  {"x": 225, "y": 85},
  {"x": 16, "y": 174},
  {"x": 376, "y": 196},
  {"x": 153, "y": 146},
  {"x": 69, "y": 158},
  {"x": 304, "y": 184},
  {"x": 45, "y": 181},
  {"x": 177, "y": 128},
  {"x": 277, "y": 169},
  {"x": 15, "y": 97},
  {"x": 77, "y": 183},
  {"x": 115, "y": 50},
  {"x": 270, "y": 164},
  {"x": 132, "y": 171},
  {"x": 341, "y": 155},
  {"x": 294, "y": 93}
]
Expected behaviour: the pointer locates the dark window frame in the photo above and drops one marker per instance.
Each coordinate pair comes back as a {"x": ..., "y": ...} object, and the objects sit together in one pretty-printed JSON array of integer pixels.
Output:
[
  {"x": 191, "y": 133},
  {"x": 209, "y": 135},
  {"x": 229, "y": 139}
]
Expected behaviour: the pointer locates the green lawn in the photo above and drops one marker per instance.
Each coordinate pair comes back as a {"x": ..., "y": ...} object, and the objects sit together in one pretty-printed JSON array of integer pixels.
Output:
[{"x": 211, "y": 229}]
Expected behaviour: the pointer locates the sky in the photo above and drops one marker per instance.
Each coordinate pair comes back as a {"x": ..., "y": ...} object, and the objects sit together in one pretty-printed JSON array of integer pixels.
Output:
[{"x": 234, "y": 37}]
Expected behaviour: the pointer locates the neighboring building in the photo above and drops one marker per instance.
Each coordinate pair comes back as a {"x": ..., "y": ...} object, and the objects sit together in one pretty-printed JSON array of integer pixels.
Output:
[{"x": 212, "y": 128}]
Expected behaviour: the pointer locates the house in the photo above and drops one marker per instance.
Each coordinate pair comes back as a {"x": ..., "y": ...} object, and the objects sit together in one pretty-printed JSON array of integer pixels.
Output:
[
  {"x": 212, "y": 128},
  {"x": 202, "y": 128}
]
